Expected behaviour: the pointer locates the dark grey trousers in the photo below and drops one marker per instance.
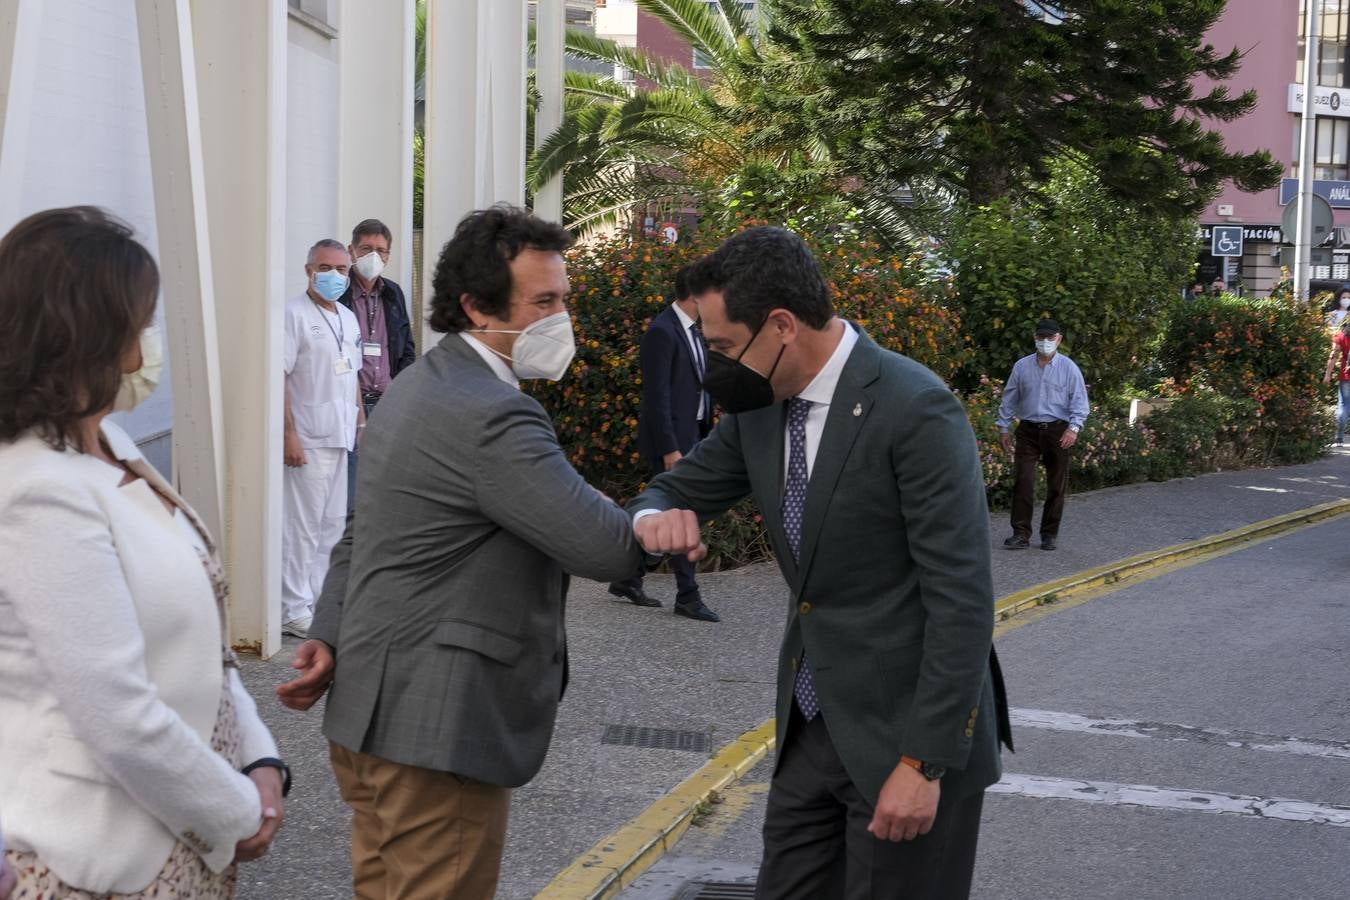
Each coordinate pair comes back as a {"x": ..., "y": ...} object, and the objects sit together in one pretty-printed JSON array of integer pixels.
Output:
[{"x": 816, "y": 843}]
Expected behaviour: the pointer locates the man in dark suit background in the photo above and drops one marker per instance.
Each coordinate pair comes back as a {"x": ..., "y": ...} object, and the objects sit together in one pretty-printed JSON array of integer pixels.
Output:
[
  {"x": 864, "y": 466},
  {"x": 676, "y": 414}
]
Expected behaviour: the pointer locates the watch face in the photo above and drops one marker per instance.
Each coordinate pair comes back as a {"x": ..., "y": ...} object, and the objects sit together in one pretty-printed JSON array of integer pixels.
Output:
[{"x": 932, "y": 772}]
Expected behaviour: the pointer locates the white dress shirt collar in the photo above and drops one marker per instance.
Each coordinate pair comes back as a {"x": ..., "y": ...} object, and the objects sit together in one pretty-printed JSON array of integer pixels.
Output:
[
  {"x": 821, "y": 389},
  {"x": 495, "y": 362},
  {"x": 685, "y": 321}
]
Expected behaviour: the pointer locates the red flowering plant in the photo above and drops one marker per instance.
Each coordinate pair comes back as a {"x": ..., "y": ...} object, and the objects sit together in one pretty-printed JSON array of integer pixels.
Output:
[
  {"x": 620, "y": 283},
  {"x": 1269, "y": 354}
]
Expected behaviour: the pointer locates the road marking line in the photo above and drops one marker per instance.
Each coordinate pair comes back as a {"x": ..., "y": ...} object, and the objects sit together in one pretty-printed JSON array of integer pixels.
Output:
[
  {"x": 1112, "y": 794},
  {"x": 1238, "y": 740}
]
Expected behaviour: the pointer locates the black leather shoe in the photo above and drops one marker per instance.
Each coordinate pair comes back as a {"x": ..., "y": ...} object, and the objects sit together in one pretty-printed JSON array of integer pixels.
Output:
[
  {"x": 696, "y": 610},
  {"x": 1017, "y": 542},
  {"x": 1048, "y": 542},
  {"x": 633, "y": 593}
]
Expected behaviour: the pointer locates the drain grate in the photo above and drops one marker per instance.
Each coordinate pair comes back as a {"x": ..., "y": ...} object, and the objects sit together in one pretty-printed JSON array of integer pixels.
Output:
[
  {"x": 656, "y": 738},
  {"x": 718, "y": 890}
]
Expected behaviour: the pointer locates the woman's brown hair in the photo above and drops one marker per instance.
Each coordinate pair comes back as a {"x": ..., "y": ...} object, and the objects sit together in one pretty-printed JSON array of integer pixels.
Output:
[{"x": 76, "y": 289}]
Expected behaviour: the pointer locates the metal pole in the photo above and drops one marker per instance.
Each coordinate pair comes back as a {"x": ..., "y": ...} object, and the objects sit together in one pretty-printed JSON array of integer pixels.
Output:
[{"x": 1307, "y": 156}]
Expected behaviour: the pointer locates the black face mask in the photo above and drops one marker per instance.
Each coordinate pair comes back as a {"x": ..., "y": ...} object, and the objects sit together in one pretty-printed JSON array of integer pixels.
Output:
[{"x": 736, "y": 387}]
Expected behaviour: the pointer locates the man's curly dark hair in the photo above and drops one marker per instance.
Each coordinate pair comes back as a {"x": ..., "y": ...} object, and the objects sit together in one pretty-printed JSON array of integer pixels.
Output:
[{"x": 477, "y": 262}]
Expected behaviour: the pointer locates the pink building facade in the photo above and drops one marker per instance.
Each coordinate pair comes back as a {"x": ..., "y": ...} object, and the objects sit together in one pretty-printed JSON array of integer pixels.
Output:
[{"x": 1270, "y": 35}]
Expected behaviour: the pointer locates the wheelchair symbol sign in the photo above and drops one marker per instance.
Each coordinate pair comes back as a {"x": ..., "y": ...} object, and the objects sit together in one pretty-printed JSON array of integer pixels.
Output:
[{"x": 1226, "y": 240}]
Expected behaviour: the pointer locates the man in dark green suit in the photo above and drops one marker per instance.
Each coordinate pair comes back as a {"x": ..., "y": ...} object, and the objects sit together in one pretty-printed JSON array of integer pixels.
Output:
[{"x": 864, "y": 466}]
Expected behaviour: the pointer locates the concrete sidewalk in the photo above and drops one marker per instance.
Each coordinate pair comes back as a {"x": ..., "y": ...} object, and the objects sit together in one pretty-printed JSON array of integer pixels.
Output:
[{"x": 708, "y": 683}]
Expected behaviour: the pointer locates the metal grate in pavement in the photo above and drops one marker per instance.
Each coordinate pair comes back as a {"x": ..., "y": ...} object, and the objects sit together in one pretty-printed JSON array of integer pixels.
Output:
[
  {"x": 717, "y": 890},
  {"x": 656, "y": 738}
]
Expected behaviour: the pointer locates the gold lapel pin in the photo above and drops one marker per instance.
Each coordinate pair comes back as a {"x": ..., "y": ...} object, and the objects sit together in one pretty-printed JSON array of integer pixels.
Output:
[{"x": 857, "y": 410}]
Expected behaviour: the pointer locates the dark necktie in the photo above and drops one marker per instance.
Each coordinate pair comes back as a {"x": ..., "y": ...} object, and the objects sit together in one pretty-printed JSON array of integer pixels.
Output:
[
  {"x": 794, "y": 502},
  {"x": 701, "y": 364}
]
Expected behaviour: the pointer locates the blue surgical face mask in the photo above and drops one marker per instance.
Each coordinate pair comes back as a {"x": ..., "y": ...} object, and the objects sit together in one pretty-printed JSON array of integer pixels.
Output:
[{"x": 330, "y": 285}]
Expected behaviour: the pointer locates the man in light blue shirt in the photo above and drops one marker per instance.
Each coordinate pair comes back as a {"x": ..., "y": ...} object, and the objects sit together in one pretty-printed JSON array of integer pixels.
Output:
[{"x": 1046, "y": 394}]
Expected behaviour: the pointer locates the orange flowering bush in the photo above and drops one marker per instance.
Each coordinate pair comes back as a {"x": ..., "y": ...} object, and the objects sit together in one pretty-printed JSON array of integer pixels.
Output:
[
  {"x": 1270, "y": 354},
  {"x": 619, "y": 284}
]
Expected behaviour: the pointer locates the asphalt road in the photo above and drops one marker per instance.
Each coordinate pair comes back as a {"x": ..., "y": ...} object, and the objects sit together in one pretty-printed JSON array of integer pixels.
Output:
[{"x": 1185, "y": 737}]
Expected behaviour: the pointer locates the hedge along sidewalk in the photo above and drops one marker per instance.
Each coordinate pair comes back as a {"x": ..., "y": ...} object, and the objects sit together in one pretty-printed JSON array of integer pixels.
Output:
[{"x": 621, "y": 857}]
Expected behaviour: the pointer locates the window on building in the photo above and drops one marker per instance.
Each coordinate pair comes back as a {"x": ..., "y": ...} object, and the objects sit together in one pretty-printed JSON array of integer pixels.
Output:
[
  {"x": 1333, "y": 24},
  {"x": 1332, "y": 159},
  {"x": 701, "y": 60}
]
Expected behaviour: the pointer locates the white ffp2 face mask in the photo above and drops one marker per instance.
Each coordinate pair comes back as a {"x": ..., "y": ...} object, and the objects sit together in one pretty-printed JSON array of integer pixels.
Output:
[
  {"x": 369, "y": 266},
  {"x": 139, "y": 385},
  {"x": 544, "y": 348}
]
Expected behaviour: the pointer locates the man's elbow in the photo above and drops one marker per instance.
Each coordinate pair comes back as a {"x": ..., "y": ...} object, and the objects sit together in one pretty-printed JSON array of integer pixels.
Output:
[{"x": 618, "y": 562}]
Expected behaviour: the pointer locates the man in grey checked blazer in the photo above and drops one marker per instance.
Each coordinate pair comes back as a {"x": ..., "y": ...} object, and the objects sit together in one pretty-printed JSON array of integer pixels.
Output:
[
  {"x": 443, "y": 608},
  {"x": 864, "y": 467}
]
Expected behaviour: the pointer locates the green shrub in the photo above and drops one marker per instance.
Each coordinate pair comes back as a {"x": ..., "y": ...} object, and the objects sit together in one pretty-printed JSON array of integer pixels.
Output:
[
  {"x": 1106, "y": 273},
  {"x": 1267, "y": 354},
  {"x": 1201, "y": 431}
]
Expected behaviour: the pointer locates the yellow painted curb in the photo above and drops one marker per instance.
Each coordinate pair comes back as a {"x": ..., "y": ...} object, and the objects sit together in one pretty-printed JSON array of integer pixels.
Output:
[
  {"x": 618, "y": 860},
  {"x": 1145, "y": 563}
]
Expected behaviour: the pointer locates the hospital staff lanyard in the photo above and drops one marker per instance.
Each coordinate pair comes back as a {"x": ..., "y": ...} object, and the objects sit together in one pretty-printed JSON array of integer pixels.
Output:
[
  {"x": 371, "y": 300},
  {"x": 339, "y": 333}
]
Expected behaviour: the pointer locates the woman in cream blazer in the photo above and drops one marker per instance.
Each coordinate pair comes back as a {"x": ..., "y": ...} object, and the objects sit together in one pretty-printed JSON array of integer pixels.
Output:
[{"x": 124, "y": 726}]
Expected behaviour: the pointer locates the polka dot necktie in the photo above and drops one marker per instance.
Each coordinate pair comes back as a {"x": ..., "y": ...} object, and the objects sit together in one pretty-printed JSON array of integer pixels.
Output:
[{"x": 794, "y": 502}]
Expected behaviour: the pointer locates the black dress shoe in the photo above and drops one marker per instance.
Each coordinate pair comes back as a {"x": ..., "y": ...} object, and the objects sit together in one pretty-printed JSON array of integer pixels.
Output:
[
  {"x": 1048, "y": 542},
  {"x": 696, "y": 610},
  {"x": 1017, "y": 542},
  {"x": 633, "y": 593}
]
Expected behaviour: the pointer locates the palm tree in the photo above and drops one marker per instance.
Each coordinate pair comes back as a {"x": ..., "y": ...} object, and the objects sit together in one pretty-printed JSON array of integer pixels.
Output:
[{"x": 737, "y": 136}]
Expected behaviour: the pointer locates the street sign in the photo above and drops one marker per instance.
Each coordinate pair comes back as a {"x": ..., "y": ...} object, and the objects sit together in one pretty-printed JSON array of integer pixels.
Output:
[
  {"x": 1226, "y": 240},
  {"x": 1337, "y": 193},
  {"x": 1321, "y": 220}
]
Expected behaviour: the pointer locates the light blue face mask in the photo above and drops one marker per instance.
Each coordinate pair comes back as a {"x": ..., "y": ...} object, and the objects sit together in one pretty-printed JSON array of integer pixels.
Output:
[{"x": 330, "y": 285}]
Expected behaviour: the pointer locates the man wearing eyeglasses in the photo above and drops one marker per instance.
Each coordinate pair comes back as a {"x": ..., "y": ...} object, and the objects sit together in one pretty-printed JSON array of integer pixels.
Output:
[{"x": 386, "y": 337}]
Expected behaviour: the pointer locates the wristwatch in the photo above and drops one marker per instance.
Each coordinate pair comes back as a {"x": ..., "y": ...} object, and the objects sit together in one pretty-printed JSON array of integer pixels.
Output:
[
  {"x": 927, "y": 770},
  {"x": 269, "y": 762}
]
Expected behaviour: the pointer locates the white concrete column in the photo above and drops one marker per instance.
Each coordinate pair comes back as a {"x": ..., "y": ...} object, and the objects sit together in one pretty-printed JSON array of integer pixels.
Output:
[
  {"x": 550, "y": 22},
  {"x": 474, "y": 117},
  {"x": 173, "y": 124},
  {"x": 241, "y": 53},
  {"x": 375, "y": 60},
  {"x": 20, "y": 21}
]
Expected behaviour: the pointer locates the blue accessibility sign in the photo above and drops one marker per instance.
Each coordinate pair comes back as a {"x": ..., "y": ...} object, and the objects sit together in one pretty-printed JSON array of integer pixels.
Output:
[{"x": 1226, "y": 240}]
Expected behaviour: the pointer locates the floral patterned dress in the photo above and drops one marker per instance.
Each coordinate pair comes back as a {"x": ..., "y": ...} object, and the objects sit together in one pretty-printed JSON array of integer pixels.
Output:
[{"x": 185, "y": 875}]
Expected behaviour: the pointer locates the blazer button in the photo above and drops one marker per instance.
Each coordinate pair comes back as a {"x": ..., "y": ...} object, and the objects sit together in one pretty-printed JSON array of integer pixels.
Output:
[
  {"x": 970, "y": 732},
  {"x": 804, "y": 607}
]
